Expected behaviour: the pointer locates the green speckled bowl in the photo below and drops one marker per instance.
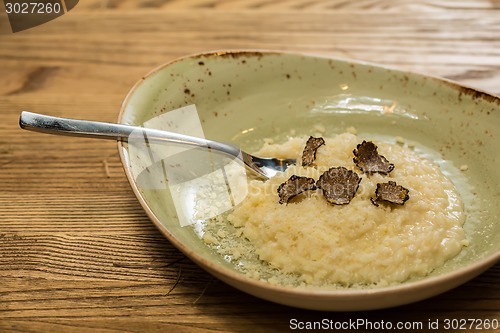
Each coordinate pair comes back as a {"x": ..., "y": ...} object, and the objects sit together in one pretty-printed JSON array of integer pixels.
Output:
[{"x": 243, "y": 96}]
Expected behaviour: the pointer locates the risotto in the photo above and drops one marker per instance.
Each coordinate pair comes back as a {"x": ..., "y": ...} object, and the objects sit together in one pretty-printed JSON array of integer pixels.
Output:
[{"x": 359, "y": 243}]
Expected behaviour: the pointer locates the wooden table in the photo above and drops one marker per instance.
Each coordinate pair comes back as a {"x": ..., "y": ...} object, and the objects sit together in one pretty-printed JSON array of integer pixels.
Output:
[{"x": 77, "y": 252}]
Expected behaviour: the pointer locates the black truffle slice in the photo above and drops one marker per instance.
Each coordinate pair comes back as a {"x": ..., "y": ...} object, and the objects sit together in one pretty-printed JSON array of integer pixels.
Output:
[
  {"x": 309, "y": 153},
  {"x": 294, "y": 186},
  {"x": 390, "y": 192},
  {"x": 339, "y": 185},
  {"x": 368, "y": 160}
]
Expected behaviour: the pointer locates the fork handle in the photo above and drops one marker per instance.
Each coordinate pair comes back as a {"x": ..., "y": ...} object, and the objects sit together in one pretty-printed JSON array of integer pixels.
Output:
[{"x": 95, "y": 129}]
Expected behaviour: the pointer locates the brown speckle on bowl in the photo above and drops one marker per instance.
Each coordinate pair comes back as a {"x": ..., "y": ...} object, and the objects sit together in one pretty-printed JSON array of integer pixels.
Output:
[
  {"x": 237, "y": 54},
  {"x": 475, "y": 94}
]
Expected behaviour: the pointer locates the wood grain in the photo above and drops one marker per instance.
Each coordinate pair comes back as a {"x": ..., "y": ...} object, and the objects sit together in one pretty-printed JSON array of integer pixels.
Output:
[{"x": 77, "y": 252}]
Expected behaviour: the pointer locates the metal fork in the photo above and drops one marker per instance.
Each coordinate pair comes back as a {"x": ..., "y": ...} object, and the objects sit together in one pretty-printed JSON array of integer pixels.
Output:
[{"x": 260, "y": 166}]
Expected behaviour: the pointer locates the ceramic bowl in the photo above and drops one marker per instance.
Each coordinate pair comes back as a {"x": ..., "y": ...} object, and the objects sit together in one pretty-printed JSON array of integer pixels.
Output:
[{"x": 244, "y": 96}]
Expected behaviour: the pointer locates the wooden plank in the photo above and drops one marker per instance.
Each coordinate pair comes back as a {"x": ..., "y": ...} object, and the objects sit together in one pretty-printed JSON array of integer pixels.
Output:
[
  {"x": 114, "y": 55},
  {"x": 289, "y": 5}
]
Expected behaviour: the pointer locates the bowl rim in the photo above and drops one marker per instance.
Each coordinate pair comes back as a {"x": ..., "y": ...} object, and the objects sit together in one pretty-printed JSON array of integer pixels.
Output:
[{"x": 320, "y": 293}]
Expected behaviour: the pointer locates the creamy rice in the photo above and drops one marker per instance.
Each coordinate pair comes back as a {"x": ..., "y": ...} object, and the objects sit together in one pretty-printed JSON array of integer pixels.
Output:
[{"x": 356, "y": 244}]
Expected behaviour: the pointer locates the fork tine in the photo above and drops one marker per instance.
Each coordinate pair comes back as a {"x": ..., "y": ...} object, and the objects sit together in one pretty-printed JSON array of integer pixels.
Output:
[{"x": 268, "y": 166}]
